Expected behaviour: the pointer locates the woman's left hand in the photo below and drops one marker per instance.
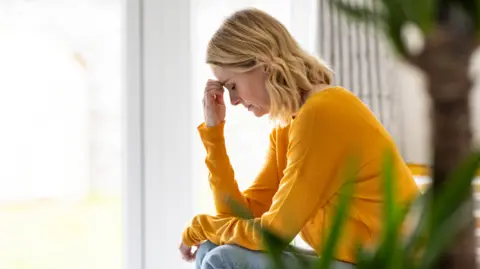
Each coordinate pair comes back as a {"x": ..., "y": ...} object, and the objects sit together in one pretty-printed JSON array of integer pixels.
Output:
[{"x": 187, "y": 253}]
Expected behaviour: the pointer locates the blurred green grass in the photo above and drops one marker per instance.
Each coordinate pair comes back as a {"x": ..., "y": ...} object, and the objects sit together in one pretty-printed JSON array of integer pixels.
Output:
[{"x": 55, "y": 234}]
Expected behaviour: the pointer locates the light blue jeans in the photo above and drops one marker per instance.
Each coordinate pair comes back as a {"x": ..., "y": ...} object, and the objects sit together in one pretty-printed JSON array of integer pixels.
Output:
[{"x": 211, "y": 256}]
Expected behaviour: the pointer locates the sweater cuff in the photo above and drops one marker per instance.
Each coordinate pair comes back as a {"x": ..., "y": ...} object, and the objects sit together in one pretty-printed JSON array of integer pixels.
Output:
[
  {"x": 193, "y": 233},
  {"x": 186, "y": 239},
  {"x": 213, "y": 133}
]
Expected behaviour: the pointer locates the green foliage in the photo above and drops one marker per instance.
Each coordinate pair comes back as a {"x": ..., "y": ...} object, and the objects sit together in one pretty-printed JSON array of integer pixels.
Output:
[
  {"x": 342, "y": 211},
  {"x": 359, "y": 13},
  {"x": 392, "y": 15},
  {"x": 437, "y": 225},
  {"x": 472, "y": 9}
]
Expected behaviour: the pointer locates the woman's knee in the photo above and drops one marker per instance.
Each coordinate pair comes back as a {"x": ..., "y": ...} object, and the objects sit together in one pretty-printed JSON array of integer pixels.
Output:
[
  {"x": 228, "y": 256},
  {"x": 202, "y": 251}
]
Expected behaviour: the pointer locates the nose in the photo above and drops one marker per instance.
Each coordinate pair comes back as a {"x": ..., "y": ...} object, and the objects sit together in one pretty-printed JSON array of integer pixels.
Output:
[{"x": 235, "y": 99}]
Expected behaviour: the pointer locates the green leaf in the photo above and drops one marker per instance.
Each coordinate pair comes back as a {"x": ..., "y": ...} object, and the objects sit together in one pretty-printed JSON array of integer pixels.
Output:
[
  {"x": 389, "y": 208},
  {"x": 477, "y": 15},
  {"x": 239, "y": 210},
  {"x": 439, "y": 214},
  {"x": 395, "y": 37},
  {"x": 303, "y": 259},
  {"x": 366, "y": 258},
  {"x": 456, "y": 189},
  {"x": 362, "y": 14},
  {"x": 420, "y": 12},
  {"x": 274, "y": 245},
  {"x": 389, "y": 254},
  {"x": 389, "y": 211},
  {"x": 395, "y": 22},
  {"x": 472, "y": 9},
  {"x": 330, "y": 245},
  {"x": 442, "y": 235},
  {"x": 417, "y": 239}
]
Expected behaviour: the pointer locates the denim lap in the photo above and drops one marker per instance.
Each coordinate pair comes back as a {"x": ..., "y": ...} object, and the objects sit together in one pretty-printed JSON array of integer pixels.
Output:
[{"x": 211, "y": 256}]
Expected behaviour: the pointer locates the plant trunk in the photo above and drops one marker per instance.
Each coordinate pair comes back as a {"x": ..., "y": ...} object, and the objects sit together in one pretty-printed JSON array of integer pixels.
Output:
[
  {"x": 445, "y": 61},
  {"x": 451, "y": 141}
]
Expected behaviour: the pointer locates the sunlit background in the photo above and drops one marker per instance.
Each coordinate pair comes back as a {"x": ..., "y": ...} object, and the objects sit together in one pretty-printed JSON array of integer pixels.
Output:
[{"x": 60, "y": 90}]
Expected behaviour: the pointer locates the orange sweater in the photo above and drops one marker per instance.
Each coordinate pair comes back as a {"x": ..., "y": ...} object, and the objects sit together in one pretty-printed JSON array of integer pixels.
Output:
[{"x": 297, "y": 189}]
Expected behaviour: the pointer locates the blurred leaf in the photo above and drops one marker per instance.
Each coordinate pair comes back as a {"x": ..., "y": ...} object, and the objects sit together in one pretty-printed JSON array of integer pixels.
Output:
[
  {"x": 395, "y": 21},
  {"x": 394, "y": 32},
  {"x": 442, "y": 235},
  {"x": 302, "y": 260},
  {"x": 359, "y": 13},
  {"x": 472, "y": 8},
  {"x": 418, "y": 237},
  {"x": 239, "y": 210},
  {"x": 389, "y": 209},
  {"x": 392, "y": 19},
  {"x": 274, "y": 246},
  {"x": 477, "y": 15},
  {"x": 333, "y": 238},
  {"x": 439, "y": 220},
  {"x": 420, "y": 12},
  {"x": 390, "y": 251},
  {"x": 456, "y": 189},
  {"x": 438, "y": 224},
  {"x": 365, "y": 258},
  {"x": 387, "y": 245}
]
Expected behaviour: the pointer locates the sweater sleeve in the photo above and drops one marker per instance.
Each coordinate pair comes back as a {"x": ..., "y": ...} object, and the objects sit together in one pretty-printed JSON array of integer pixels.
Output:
[
  {"x": 318, "y": 143},
  {"x": 258, "y": 197}
]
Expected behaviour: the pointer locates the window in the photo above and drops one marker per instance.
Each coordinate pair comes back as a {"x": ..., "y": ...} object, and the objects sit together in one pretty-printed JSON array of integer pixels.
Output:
[{"x": 60, "y": 97}]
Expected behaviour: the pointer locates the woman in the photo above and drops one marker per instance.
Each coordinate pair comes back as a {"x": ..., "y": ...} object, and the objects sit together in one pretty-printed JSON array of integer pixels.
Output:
[{"x": 319, "y": 126}]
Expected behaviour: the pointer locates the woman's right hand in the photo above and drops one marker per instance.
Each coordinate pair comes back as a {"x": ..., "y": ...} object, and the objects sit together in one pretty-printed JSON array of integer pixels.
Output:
[
  {"x": 213, "y": 103},
  {"x": 188, "y": 254}
]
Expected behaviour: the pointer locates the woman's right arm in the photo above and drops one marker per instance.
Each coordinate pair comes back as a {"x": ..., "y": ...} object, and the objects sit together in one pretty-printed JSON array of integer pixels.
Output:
[{"x": 258, "y": 197}]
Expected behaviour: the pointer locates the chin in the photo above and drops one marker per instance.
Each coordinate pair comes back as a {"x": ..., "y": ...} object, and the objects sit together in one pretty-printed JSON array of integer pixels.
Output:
[{"x": 259, "y": 113}]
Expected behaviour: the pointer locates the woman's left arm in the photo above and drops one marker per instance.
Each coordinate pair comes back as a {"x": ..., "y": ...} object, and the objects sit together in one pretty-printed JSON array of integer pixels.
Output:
[{"x": 319, "y": 144}]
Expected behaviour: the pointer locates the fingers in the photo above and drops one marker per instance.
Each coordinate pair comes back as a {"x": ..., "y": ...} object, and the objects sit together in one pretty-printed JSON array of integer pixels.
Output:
[
  {"x": 214, "y": 92},
  {"x": 215, "y": 96},
  {"x": 186, "y": 253},
  {"x": 192, "y": 256},
  {"x": 214, "y": 83},
  {"x": 189, "y": 257}
]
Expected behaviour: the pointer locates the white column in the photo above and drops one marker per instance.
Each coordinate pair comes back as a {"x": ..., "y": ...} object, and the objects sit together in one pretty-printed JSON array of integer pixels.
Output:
[
  {"x": 133, "y": 140},
  {"x": 158, "y": 184},
  {"x": 167, "y": 130}
]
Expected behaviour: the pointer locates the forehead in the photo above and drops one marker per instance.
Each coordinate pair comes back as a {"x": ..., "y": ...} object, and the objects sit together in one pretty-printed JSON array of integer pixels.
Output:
[{"x": 223, "y": 74}]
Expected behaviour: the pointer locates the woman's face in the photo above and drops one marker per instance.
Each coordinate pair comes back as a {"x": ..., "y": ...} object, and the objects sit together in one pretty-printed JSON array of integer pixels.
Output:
[{"x": 247, "y": 89}]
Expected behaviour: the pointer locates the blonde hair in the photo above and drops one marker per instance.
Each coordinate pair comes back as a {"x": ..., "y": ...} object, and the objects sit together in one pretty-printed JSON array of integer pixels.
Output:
[{"x": 250, "y": 38}]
